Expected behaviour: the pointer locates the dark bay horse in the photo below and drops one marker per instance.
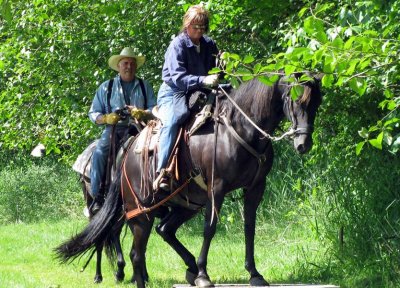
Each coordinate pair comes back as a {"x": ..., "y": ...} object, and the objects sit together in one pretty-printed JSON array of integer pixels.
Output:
[
  {"x": 236, "y": 153},
  {"x": 82, "y": 166}
]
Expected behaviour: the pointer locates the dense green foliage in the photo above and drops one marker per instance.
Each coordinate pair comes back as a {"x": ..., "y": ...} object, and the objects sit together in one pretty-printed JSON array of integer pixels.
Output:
[{"x": 53, "y": 55}]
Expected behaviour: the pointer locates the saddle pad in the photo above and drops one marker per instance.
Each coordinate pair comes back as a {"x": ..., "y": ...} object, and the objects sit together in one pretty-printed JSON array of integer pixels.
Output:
[
  {"x": 83, "y": 159},
  {"x": 142, "y": 140}
]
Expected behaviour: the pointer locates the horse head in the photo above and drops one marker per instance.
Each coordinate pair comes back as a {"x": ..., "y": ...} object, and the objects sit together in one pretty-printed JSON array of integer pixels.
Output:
[{"x": 301, "y": 112}]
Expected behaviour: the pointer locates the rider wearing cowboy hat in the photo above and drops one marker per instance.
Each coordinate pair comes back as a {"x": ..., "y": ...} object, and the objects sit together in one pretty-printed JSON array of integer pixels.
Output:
[{"x": 126, "y": 91}]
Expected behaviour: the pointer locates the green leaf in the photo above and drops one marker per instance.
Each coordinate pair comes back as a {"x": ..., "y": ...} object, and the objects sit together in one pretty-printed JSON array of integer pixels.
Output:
[
  {"x": 235, "y": 82},
  {"x": 247, "y": 78},
  {"x": 268, "y": 68},
  {"x": 352, "y": 67},
  {"x": 296, "y": 91},
  {"x": 257, "y": 68},
  {"x": 358, "y": 85},
  {"x": 359, "y": 147},
  {"x": 302, "y": 12},
  {"x": 289, "y": 69},
  {"x": 327, "y": 80},
  {"x": 243, "y": 71},
  {"x": 234, "y": 56},
  {"x": 391, "y": 122},
  {"x": 377, "y": 143},
  {"x": 297, "y": 53},
  {"x": 363, "y": 133},
  {"x": 6, "y": 10},
  {"x": 338, "y": 43},
  {"x": 248, "y": 59},
  {"x": 265, "y": 80},
  {"x": 214, "y": 70}
]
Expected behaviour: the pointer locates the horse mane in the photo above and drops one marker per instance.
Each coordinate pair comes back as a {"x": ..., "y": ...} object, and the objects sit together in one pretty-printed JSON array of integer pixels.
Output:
[{"x": 252, "y": 95}]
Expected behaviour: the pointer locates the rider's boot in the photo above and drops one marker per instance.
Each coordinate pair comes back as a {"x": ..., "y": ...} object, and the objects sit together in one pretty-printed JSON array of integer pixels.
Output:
[
  {"x": 97, "y": 204},
  {"x": 162, "y": 181}
]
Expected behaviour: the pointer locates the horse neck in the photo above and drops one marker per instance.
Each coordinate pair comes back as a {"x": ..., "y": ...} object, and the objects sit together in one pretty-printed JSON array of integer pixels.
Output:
[{"x": 264, "y": 109}]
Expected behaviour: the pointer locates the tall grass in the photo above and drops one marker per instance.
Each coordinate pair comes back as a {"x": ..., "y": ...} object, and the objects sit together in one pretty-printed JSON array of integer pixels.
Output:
[
  {"x": 308, "y": 201},
  {"x": 37, "y": 189}
]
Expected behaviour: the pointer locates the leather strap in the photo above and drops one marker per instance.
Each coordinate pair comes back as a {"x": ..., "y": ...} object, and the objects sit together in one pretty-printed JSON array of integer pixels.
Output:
[{"x": 260, "y": 157}]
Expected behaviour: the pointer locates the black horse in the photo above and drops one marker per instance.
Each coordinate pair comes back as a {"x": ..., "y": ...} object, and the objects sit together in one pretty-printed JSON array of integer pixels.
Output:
[
  {"x": 82, "y": 166},
  {"x": 233, "y": 151}
]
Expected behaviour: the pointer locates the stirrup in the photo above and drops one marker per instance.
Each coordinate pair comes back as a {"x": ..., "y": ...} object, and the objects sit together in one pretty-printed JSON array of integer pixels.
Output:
[{"x": 161, "y": 181}]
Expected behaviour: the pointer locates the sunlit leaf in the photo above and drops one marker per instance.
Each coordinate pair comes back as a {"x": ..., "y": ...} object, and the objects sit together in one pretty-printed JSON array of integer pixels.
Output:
[
  {"x": 248, "y": 59},
  {"x": 266, "y": 80},
  {"x": 358, "y": 85},
  {"x": 327, "y": 80},
  {"x": 289, "y": 69},
  {"x": 214, "y": 70},
  {"x": 359, "y": 147},
  {"x": 363, "y": 133},
  {"x": 377, "y": 143},
  {"x": 296, "y": 91},
  {"x": 235, "y": 83}
]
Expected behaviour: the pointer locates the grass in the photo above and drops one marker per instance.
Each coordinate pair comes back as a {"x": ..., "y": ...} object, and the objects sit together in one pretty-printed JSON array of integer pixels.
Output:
[
  {"x": 28, "y": 260},
  {"x": 296, "y": 239}
]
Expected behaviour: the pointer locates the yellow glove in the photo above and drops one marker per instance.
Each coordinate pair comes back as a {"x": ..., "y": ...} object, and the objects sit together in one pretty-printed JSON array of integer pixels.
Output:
[
  {"x": 139, "y": 114},
  {"x": 111, "y": 119}
]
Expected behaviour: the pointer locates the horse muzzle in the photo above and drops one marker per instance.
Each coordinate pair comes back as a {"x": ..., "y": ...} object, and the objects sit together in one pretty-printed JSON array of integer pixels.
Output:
[{"x": 303, "y": 139}]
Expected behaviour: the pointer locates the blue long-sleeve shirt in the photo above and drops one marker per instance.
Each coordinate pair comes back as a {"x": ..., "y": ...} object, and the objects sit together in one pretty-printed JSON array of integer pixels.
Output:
[
  {"x": 117, "y": 100},
  {"x": 184, "y": 68}
]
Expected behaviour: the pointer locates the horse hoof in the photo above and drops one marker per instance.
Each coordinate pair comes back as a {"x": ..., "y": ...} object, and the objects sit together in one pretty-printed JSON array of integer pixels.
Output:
[
  {"x": 258, "y": 281},
  {"x": 203, "y": 282},
  {"x": 190, "y": 277},
  {"x": 119, "y": 277},
  {"x": 98, "y": 279}
]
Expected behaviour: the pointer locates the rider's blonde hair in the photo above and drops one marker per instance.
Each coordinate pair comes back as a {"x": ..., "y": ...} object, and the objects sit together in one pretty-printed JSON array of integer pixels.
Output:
[{"x": 196, "y": 13}]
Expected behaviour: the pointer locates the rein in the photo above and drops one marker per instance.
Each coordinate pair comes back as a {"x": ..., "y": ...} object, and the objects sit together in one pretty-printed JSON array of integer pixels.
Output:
[{"x": 292, "y": 131}]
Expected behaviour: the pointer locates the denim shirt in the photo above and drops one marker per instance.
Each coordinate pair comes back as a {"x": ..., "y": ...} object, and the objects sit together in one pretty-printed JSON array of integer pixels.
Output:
[
  {"x": 184, "y": 68},
  {"x": 99, "y": 104}
]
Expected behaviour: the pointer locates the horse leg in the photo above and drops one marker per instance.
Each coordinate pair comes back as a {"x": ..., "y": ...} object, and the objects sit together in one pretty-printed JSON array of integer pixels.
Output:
[
  {"x": 119, "y": 275},
  {"x": 210, "y": 227},
  {"x": 141, "y": 228},
  {"x": 167, "y": 230},
  {"x": 252, "y": 200},
  {"x": 98, "y": 278}
]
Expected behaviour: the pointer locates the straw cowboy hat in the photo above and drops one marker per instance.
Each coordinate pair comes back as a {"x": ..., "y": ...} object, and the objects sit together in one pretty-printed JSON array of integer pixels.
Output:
[{"x": 127, "y": 52}]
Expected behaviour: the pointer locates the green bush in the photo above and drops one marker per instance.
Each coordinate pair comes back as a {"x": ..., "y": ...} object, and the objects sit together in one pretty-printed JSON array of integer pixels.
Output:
[{"x": 37, "y": 189}]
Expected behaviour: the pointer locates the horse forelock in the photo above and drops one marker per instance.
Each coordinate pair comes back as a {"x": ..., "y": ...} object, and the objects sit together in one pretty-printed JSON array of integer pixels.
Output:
[
  {"x": 305, "y": 98},
  {"x": 311, "y": 94}
]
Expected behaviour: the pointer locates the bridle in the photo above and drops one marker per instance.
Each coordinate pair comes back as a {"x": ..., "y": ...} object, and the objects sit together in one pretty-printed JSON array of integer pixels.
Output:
[
  {"x": 287, "y": 109},
  {"x": 289, "y": 112}
]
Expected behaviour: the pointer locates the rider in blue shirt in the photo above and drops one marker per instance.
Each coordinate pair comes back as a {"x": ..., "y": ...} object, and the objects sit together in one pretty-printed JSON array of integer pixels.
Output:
[
  {"x": 188, "y": 59},
  {"x": 127, "y": 92}
]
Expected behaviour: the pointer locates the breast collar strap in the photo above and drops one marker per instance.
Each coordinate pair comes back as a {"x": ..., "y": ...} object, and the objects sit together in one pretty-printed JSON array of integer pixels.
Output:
[{"x": 261, "y": 158}]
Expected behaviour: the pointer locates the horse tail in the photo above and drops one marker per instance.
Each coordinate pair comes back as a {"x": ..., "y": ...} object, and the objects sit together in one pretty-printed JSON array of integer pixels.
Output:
[{"x": 98, "y": 229}]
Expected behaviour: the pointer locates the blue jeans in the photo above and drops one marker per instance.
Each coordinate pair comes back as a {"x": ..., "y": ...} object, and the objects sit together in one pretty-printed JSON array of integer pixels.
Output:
[
  {"x": 100, "y": 156},
  {"x": 173, "y": 112}
]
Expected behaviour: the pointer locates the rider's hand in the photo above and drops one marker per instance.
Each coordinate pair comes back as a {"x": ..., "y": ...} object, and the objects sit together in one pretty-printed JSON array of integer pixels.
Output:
[
  {"x": 110, "y": 119},
  {"x": 210, "y": 80},
  {"x": 139, "y": 114}
]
